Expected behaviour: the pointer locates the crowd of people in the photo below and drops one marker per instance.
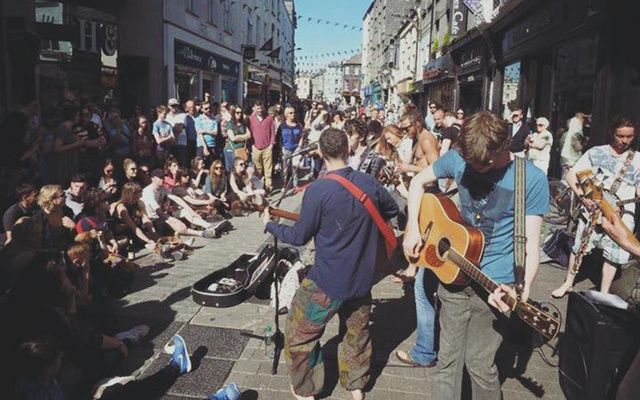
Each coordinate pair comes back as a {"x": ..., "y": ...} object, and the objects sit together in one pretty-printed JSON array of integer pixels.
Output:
[{"x": 92, "y": 188}]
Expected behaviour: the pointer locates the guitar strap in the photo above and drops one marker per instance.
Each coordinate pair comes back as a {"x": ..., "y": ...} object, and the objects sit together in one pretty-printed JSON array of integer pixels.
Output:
[
  {"x": 390, "y": 240},
  {"x": 623, "y": 171},
  {"x": 519, "y": 231}
]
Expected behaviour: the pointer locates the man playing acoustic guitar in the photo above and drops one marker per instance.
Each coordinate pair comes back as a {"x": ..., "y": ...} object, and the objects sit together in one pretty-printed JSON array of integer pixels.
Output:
[
  {"x": 618, "y": 166},
  {"x": 484, "y": 171},
  {"x": 348, "y": 246}
]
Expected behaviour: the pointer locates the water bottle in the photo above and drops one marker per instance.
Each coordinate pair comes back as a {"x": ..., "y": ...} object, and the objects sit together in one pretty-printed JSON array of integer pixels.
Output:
[
  {"x": 268, "y": 339},
  {"x": 130, "y": 253}
]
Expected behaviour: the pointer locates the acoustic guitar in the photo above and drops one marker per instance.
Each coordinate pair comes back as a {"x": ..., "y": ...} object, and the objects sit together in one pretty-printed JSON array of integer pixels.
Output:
[
  {"x": 276, "y": 212},
  {"x": 607, "y": 204},
  {"x": 453, "y": 250}
]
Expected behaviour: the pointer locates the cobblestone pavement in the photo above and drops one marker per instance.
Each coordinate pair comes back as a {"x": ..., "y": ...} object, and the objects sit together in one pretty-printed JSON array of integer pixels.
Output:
[{"x": 162, "y": 299}]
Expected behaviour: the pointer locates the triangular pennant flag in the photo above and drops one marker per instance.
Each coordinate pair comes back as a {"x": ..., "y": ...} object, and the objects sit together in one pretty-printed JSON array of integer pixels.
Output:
[
  {"x": 267, "y": 46},
  {"x": 275, "y": 53}
]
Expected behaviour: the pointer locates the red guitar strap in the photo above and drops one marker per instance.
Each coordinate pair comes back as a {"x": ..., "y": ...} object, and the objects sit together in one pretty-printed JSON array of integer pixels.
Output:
[{"x": 390, "y": 240}]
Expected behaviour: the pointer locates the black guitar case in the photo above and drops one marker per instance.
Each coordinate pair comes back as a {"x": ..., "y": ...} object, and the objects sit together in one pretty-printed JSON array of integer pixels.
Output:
[{"x": 236, "y": 283}]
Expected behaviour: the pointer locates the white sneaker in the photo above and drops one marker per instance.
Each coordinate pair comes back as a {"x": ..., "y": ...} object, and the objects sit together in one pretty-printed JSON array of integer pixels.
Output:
[{"x": 134, "y": 334}]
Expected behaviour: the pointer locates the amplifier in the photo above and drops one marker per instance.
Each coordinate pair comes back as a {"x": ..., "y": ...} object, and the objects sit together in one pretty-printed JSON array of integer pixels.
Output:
[{"x": 596, "y": 349}]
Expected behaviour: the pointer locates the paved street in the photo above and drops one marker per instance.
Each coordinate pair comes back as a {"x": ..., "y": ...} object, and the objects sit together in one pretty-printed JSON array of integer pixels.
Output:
[{"x": 225, "y": 351}]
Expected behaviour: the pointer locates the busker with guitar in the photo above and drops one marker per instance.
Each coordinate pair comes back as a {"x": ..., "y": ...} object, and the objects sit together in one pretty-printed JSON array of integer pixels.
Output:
[
  {"x": 348, "y": 244},
  {"x": 484, "y": 170},
  {"x": 618, "y": 166}
]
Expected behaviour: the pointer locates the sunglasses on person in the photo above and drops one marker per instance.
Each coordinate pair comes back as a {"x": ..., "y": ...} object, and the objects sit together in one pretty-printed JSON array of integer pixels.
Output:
[
  {"x": 219, "y": 168},
  {"x": 460, "y": 113},
  {"x": 241, "y": 164},
  {"x": 539, "y": 124}
]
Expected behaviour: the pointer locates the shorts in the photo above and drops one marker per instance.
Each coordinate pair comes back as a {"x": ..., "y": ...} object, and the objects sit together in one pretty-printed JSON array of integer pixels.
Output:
[{"x": 610, "y": 249}]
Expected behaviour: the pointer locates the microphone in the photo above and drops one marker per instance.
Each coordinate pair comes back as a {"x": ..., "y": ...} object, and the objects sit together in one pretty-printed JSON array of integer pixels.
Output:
[{"x": 309, "y": 148}]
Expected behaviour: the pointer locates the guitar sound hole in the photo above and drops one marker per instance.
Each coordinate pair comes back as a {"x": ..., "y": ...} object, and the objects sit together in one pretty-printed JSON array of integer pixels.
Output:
[{"x": 443, "y": 246}]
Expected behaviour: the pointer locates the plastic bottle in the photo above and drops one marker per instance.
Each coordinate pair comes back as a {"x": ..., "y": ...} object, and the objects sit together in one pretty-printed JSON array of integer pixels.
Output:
[
  {"x": 268, "y": 338},
  {"x": 130, "y": 253}
]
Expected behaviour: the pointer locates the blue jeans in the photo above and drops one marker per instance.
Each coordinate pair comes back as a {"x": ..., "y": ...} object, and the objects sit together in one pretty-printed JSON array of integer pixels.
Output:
[
  {"x": 229, "y": 156},
  {"x": 424, "y": 350}
]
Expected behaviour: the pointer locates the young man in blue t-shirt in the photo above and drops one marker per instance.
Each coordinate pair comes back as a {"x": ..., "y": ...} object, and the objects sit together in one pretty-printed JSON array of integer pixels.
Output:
[
  {"x": 484, "y": 171},
  {"x": 290, "y": 133}
]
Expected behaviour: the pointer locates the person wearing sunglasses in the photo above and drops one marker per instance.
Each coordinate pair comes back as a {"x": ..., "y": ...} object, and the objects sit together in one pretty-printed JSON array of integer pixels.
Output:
[
  {"x": 484, "y": 170},
  {"x": 426, "y": 151},
  {"x": 208, "y": 129},
  {"x": 539, "y": 144},
  {"x": 237, "y": 133},
  {"x": 460, "y": 116},
  {"x": 519, "y": 132}
]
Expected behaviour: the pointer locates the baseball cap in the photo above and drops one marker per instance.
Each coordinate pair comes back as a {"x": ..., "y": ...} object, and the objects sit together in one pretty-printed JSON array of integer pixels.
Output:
[
  {"x": 173, "y": 101},
  {"x": 157, "y": 173}
]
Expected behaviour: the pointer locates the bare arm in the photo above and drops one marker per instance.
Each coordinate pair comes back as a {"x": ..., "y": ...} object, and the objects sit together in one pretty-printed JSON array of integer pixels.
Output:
[
  {"x": 532, "y": 261},
  {"x": 446, "y": 144},
  {"x": 412, "y": 238},
  {"x": 123, "y": 214}
]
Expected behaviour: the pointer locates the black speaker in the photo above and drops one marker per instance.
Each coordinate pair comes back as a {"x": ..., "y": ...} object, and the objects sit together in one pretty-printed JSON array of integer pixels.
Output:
[{"x": 596, "y": 349}]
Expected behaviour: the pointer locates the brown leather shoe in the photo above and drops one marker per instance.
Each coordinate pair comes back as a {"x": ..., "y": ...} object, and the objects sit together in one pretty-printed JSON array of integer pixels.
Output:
[{"x": 406, "y": 358}]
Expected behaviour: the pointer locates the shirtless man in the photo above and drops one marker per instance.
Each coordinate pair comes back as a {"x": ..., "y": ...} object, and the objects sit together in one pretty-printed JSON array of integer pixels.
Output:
[{"x": 426, "y": 151}]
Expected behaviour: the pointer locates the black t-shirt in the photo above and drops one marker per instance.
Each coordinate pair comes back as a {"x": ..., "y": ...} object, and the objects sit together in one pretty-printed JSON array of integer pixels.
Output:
[
  {"x": 451, "y": 132},
  {"x": 374, "y": 128},
  {"x": 14, "y": 213}
]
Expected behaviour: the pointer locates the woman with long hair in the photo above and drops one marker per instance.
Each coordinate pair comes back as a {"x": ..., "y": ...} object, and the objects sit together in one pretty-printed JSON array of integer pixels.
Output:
[
  {"x": 130, "y": 217},
  {"x": 170, "y": 172},
  {"x": 237, "y": 133},
  {"x": 107, "y": 181},
  {"x": 243, "y": 195},
  {"x": 216, "y": 182},
  {"x": 198, "y": 172}
]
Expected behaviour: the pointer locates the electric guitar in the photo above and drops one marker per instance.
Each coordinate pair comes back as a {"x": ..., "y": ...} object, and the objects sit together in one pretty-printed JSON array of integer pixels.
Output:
[{"x": 453, "y": 250}]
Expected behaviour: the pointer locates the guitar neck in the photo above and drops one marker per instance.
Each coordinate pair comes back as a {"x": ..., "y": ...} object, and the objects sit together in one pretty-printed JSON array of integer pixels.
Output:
[
  {"x": 276, "y": 212},
  {"x": 477, "y": 275}
]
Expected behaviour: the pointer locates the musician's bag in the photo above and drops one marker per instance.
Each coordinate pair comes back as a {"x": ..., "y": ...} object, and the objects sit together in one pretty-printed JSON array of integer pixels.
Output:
[
  {"x": 558, "y": 247},
  {"x": 627, "y": 286}
]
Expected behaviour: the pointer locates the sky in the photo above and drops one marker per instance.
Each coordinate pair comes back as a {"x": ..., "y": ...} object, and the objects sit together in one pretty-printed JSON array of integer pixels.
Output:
[{"x": 320, "y": 38}]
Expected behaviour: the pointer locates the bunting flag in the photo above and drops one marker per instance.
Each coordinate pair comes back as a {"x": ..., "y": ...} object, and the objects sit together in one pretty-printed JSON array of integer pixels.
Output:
[
  {"x": 267, "y": 46},
  {"x": 275, "y": 53}
]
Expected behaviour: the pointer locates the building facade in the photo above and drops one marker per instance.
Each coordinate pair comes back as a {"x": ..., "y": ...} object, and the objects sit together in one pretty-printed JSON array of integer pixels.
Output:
[
  {"x": 333, "y": 83},
  {"x": 352, "y": 79},
  {"x": 303, "y": 86}
]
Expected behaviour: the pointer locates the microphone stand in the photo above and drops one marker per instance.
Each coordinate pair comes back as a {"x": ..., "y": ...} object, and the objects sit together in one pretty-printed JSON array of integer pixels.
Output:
[{"x": 278, "y": 336}]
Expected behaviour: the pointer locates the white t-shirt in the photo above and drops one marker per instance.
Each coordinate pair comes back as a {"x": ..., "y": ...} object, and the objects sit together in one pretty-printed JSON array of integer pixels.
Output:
[
  {"x": 173, "y": 119},
  {"x": 541, "y": 157},
  {"x": 152, "y": 199},
  {"x": 606, "y": 166}
]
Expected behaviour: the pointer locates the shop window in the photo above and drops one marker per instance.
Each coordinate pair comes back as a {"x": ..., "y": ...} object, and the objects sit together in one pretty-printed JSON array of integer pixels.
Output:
[
  {"x": 56, "y": 51},
  {"x": 510, "y": 89},
  {"x": 49, "y": 12},
  {"x": 226, "y": 16}
]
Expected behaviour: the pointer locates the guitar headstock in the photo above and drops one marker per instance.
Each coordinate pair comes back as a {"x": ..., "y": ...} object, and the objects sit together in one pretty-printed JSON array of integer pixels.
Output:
[
  {"x": 590, "y": 186},
  {"x": 539, "y": 319}
]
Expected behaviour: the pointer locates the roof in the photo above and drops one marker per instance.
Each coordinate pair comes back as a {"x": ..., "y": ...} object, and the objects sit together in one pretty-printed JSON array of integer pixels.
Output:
[{"x": 356, "y": 59}]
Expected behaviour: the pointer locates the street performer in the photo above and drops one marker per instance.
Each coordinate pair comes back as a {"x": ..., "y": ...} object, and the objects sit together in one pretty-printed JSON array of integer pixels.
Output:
[
  {"x": 348, "y": 245},
  {"x": 484, "y": 171}
]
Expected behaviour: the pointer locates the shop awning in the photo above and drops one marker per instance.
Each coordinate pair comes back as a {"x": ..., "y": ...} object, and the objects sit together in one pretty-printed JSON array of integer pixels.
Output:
[{"x": 438, "y": 69}]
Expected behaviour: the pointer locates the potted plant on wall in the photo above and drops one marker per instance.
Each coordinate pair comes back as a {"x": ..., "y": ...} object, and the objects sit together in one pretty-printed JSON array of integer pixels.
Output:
[{"x": 435, "y": 49}]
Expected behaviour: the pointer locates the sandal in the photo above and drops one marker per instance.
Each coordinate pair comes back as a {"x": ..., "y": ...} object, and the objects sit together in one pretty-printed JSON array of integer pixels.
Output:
[{"x": 406, "y": 358}]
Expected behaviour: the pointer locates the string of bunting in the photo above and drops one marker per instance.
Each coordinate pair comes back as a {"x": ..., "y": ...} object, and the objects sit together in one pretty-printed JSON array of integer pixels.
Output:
[
  {"x": 328, "y": 54},
  {"x": 304, "y": 18}
]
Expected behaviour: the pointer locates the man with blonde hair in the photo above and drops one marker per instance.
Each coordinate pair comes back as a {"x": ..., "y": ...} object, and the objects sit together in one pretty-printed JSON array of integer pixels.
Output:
[{"x": 484, "y": 170}]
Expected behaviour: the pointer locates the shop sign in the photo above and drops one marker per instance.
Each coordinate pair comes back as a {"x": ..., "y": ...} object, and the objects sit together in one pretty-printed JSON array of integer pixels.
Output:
[
  {"x": 459, "y": 19},
  {"x": 203, "y": 60},
  {"x": 536, "y": 24},
  {"x": 470, "y": 59},
  {"x": 96, "y": 35}
]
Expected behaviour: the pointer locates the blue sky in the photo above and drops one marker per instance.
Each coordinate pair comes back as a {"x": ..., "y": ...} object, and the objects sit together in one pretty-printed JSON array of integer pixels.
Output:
[{"x": 320, "y": 38}]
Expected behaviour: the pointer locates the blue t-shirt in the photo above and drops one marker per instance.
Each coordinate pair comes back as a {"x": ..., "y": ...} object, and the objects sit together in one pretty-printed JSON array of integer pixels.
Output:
[
  {"x": 490, "y": 196},
  {"x": 348, "y": 242},
  {"x": 161, "y": 129},
  {"x": 290, "y": 135},
  {"x": 209, "y": 125}
]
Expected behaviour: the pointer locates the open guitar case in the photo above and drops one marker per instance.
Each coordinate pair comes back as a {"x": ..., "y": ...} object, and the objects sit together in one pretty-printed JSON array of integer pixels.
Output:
[{"x": 237, "y": 282}]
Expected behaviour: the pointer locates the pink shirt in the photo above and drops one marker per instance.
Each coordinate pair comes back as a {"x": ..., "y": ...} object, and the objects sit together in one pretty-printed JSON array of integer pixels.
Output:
[{"x": 263, "y": 132}]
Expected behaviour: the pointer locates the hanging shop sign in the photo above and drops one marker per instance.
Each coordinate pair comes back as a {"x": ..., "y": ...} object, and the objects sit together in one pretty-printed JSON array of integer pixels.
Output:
[
  {"x": 458, "y": 18},
  {"x": 201, "y": 59}
]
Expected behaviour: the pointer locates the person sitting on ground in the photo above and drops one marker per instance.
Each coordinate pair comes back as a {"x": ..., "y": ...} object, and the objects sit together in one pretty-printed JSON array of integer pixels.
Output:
[
  {"x": 170, "y": 170},
  {"x": 53, "y": 223},
  {"x": 39, "y": 362},
  {"x": 27, "y": 205},
  {"x": 216, "y": 185},
  {"x": 201, "y": 202},
  {"x": 198, "y": 172},
  {"x": 242, "y": 196},
  {"x": 165, "y": 214},
  {"x": 95, "y": 216},
  {"x": 75, "y": 193},
  {"x": 107, "y": 181},
  {"x": 130, "y": 168},
  {"x": 130, "y": 217}
]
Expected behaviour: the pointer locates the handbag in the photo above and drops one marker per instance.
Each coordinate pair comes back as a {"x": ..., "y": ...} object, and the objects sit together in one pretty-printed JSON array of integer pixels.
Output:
[
  {"x": 558, "y": 247},
  {"x": 241, "y": 153}
]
